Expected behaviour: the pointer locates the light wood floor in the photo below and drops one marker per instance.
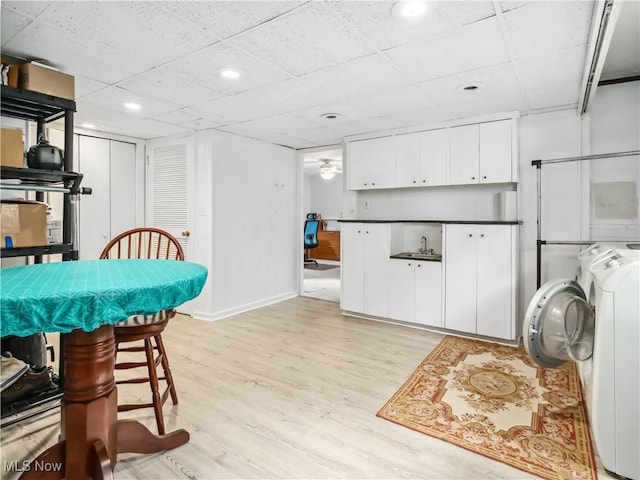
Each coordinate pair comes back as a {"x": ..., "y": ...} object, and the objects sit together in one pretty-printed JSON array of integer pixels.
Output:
[{"x": 287, "y": 391}]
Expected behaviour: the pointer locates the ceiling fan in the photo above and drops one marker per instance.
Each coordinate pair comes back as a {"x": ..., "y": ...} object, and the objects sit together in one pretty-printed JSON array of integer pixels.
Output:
[{"x": 329, "y": 169}]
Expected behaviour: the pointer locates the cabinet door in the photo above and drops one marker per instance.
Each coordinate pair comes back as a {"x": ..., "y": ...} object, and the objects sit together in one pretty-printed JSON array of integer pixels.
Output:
[
  {"x": 376, "y": 261},
  {"x": 352, "y": 267},
  {"x": 428, "y": 293},
  {"x": 464, "y": 159},
  {"x": 401, "y": 289},
  {"x": 495, "y": 152},
  {"x": 433, "y": 157},
  {"x": 408, "y": 156},
  {"x": 494, "y": 287},
  {"x": 371, "y": 163},
  {"x": 460, "y": 278}
]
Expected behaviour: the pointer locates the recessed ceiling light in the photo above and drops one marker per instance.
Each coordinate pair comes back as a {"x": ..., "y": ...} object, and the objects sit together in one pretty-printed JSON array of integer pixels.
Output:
[
  {"x": 408, "y": 9},
  {"x": 88, "y": 125},
  {"x": 330, "y": 116},
  {"x": 133, "y": 106},
  {"x": 230, "y": 73}
]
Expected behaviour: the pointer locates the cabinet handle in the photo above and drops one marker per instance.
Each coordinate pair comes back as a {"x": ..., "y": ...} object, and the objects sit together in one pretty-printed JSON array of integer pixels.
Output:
[
  {"x": 473, "y": 178},
  {"x": 484, "y": 177},
  {"x": 409, "y": 264},
  {"x": 367, "y": 231},
  {"x": 359, "y": 231},
  {"x": 419, "y": 265},
  {"x": 471, "y": 234},
  {"x": 373, "y": 183},
  {"x": 365, "y": 184},
  {"x": 414, "y": 181},
  {"x": 424, "y": 181},
  {"x": 482, "y": 235}
]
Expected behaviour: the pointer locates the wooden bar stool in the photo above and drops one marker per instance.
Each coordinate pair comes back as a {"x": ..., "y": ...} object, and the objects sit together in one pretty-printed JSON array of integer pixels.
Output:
[{"x": 146, "y": 330}]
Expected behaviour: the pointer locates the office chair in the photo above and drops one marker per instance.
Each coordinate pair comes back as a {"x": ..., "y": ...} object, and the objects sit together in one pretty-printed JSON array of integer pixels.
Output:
[
  {"x": 146, "y": 242},
  {"x": 311, "y": 226}
]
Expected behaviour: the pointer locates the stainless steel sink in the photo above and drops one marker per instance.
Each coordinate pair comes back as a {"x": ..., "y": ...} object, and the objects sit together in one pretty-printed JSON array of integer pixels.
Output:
[{"x": 419, "y": 256}]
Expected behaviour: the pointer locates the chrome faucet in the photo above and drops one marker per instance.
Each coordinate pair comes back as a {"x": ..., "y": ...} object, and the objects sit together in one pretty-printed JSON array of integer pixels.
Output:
[{"x": 423, "y": 249}]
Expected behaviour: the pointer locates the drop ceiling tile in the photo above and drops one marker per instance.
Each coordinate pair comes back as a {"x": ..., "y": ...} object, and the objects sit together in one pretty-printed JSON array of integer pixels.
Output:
[
  {"x": 359, "y": 77},
  {"x": 114, "y": 98},
  {"x": 164, "y": 83},
  {"x": 201, "y": 68},
  {"x": 496, "y": 84},
  {"x": 364, "y": 107},
  {"x": 71, "y": 54},
  {"x": 179, "y": 117},
  {"x": 374, "y": 19},
  {"x": 319, "y": 136},
  {"x": 544, "y": 86},
  {"x": 464, "y": 49},
  {"x": 86, "y": 86},
  {"x": 233, "y": 109},
  {"x": 223, "y": 19},
  {"x": 30, "y": 9},
  {"x": 284, "y": 123},
  {"x": 148, "y": 129},
  {"x": 138, "y": 31},
  {"x": 11, "y": 24},
  {"x": 548, "y": 26},
  {"x": 305, "y": 40}
]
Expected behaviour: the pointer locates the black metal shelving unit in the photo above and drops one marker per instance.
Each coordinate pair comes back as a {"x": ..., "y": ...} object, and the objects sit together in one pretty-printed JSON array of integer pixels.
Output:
[{"x": 42, "y": 109}]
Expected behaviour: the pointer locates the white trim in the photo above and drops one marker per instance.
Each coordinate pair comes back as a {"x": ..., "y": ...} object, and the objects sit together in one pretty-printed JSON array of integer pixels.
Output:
[{"x": 212, "y": 317}]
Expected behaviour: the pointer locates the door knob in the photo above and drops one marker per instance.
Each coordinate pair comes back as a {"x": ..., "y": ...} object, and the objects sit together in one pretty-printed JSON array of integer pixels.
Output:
[{"x": 186, "y": 233}]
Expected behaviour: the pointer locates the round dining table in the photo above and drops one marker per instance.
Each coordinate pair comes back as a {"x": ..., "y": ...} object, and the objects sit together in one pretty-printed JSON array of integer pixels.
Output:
[{"x": 83, "y": 300}]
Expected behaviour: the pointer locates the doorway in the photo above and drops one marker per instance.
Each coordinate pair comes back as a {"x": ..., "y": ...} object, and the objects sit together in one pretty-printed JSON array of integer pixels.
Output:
[{"x": 323, "y": 189}]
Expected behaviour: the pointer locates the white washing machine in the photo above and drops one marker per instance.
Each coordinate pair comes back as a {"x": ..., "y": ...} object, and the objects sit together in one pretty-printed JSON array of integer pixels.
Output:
[{"x": 600, "y": 330}]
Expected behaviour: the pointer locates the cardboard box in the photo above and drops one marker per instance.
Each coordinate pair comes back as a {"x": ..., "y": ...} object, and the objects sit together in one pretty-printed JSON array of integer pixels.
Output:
[
  {"x": 45, "y": 80},
  {"x": 23, "y": 224},
  {"x": 11, "y": 148}
]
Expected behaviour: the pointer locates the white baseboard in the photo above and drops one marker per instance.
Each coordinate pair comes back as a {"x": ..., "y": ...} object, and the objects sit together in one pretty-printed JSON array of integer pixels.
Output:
[{"x": 212, "y": 317}]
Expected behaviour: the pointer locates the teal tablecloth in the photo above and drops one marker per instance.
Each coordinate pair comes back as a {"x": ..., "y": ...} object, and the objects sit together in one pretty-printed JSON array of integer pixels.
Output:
[{"x": 64, "y": 296}]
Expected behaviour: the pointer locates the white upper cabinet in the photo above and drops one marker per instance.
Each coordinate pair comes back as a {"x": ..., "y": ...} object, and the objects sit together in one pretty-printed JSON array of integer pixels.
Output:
[
  {"x": 371, "y": 163},
  {"x": 481, "y": 153},
  {"x": 495, "y": 152},
  {"x": 457, "y": 155},
  {"x": 421, "y": 158},
  {"x": 464, "y": 162}
]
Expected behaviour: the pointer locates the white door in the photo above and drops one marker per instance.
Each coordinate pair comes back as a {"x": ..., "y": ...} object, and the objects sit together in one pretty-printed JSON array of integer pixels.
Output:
[
  {"x": 464, "y": 155},
  {"x": 494, "y": 289},
  {"x": 109, "y": 168},
  {"x": 352, "y": 267},
  {"x": 376, "y": 262},
  {"x": 495, "y": 152},
  {"x": 433, "y": 157},
  {"x": 428, "y": 293},
  {"x": 408, "y": 160},
  {"x": 460, "y": 278},
  {"x": 94, "y": 217},
  {"x": 401, "y": 290},
  {"x": 170, "y": 187}
]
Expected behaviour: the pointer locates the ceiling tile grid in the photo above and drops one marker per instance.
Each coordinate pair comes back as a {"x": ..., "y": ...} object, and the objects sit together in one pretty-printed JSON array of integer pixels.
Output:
[{"x": 300, "y": 59}]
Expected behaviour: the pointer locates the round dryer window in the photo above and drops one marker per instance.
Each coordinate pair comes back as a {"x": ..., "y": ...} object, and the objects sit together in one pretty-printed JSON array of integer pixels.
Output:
[{"x": 559, "y": 324}]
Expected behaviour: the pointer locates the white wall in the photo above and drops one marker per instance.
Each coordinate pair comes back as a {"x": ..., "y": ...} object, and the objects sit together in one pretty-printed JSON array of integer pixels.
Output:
[
  {"x": 325, "y": 198},
  {"x": 246, "y": 223}
]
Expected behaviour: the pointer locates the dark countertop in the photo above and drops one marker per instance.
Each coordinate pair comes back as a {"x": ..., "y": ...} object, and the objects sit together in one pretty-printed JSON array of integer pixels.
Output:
[{"x": 461, "y": 222}]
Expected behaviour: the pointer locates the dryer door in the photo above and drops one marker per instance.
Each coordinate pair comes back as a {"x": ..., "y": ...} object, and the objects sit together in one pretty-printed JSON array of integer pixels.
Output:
[{"x": 559, "y": 324}]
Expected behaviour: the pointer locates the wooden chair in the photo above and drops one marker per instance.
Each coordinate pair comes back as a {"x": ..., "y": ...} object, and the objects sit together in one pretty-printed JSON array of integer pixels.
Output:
[{"x": 146, "y": 242}]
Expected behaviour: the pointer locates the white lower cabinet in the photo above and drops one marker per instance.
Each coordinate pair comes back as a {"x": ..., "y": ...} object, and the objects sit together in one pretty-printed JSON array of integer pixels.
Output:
[
  {"x": 365, "y": 259},
  {"x": 415, "y": 291},
  {"x": 480, "y": 279}
]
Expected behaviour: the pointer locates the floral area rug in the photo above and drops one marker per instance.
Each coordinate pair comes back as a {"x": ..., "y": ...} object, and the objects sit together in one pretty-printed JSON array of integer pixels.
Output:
[{"x": 493, "y": 400}]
